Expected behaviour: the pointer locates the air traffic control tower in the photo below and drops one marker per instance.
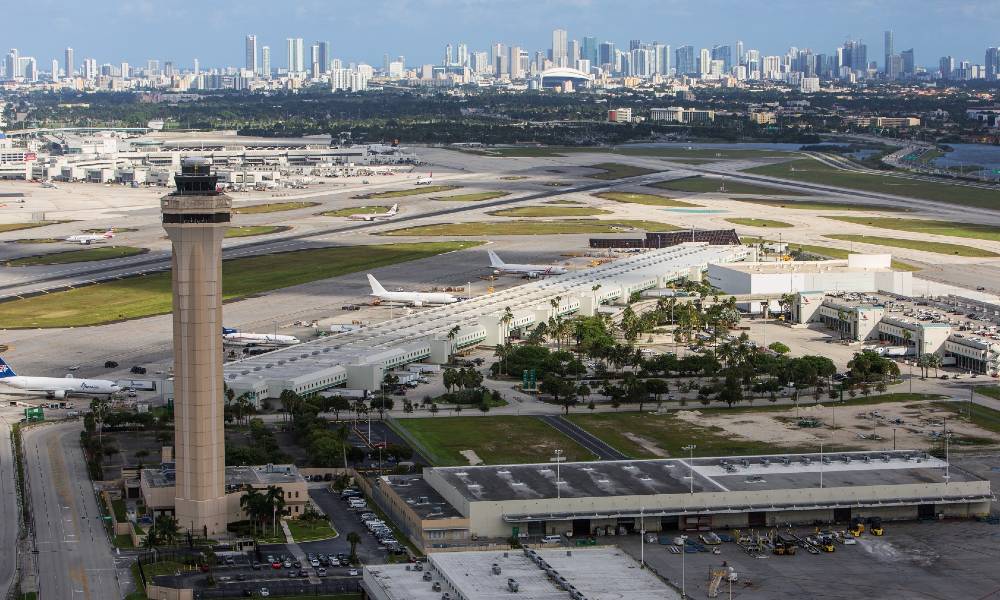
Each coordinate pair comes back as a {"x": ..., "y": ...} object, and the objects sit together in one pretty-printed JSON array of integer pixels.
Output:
[{"x": 196, "y": 218}]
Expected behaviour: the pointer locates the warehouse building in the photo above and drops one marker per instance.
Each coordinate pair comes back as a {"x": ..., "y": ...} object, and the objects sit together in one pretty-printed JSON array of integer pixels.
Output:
[
  {"x": 857, "y": 273},
  {"x": 542, "y": 574},
  {"x": 666, "y": 239},
  {"x": 613, "y": 497}
]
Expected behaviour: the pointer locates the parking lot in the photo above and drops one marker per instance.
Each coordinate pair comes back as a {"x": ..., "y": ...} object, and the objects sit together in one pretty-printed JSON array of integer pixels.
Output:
[{"x": 915, "y": 561}]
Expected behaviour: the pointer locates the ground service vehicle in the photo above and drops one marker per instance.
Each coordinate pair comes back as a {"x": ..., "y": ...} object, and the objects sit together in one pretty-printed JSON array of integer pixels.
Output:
[
  {"x": 875, "y": 526},
  {"x": 857, "y": 527},
  {"x": 784, "y": 546}
]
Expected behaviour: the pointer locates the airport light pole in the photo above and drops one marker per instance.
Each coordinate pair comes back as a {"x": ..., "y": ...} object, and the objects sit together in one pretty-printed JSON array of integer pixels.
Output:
[
  {"x": 690, "y": 448},
  {"x": 683, "y": 579},
  {"x": 558, "y": 459},
  {"x": 947, "y": 456},
  {"x": 642, "y": 537},
  {"x": 821, "y": 465}
]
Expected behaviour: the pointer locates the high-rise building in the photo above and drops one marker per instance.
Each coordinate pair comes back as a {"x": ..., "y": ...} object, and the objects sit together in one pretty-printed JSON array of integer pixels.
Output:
[
  {"x": 515, "y": 63},
  {"x": 90, "y": 66},
  {"x": 265, "y": 62},
  {"x": 947, "y": 67},
  {"x": 251, "y": 53},
  {"x": 13, "y": 64},
  {"x": 725, "y": 54},
  {"x": 855, "y": 55},
  {"x": 560, "y": 49},
  {"x": 739, "y": 53},
  {"x": 296, "y": 55},
  {"x": 685, "y": 62},
  {"x": 55, "y": 69},
  {"x": 197, "y": 67},
  {"x": 606, "y": 53},
  {"x": 573, "y": 53},
  {"x": 704, "y": 62},
  {"x": 588, "y": 50},
  {"x": 324, "y": 56},
  {"x": 196, "y": 217},
  {"x": 887, "y": 50},
  {"x": 463, "y": 55},
  {"x": 908, "y": 64},
  {"x": 69, "y": 63},
  {"x": 992, "y": 64},
  {"x": 448, "y": 58}
]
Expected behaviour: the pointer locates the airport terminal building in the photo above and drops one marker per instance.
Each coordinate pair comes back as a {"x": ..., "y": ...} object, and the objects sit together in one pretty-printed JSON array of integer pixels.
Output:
[{"x": 451, "y": 506}]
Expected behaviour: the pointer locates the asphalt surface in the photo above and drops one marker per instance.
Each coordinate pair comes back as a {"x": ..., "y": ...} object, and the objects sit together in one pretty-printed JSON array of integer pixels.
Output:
[
  {"x": 344, "y": 522},
  {"x": 8, "y": 508},
  {"x": 74, "y": 559},
  {"x": 582, "y": 437}
]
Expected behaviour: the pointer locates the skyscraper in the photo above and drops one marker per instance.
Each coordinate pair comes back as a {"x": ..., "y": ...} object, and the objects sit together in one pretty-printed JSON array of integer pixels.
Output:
[
  {"x": 296, "y": 55},
  {"x": 739, "y": 52},
  {"x": 704, "y": 62},
  {"x": 908, "y": 64},
  {"x": 725, "y": 54},
  {"x": 993, "y": 64},
  {"x": 69, "y": 63},
  {"x": 448, "y": 58},
  {"x": 463, "y": 55},
  {"x": 588, "y": 50},
  {"x": 606, "y": 53},
  {"x": 251, "y": 53},
  {"x": 196, "y": 218},
  {"x": 573, "y": 53},
  {"x": 265, "y": 62},
  {"x": 515, "y": 63},
  {"x": 324, "y": 56},
  {"x": 887, "y": 51},
  {"x": 947, "y": 67},
  {"x": 559, "y": 48},
  {"x": 685, "y": 62}
]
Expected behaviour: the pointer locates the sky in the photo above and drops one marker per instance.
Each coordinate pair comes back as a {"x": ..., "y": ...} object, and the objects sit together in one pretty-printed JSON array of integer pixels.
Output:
[{"x": 362, "y": 30}]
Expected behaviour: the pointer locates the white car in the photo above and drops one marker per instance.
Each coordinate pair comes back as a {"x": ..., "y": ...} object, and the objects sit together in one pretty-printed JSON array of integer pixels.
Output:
[
  {"x": 314, "y": 562},
  {"x": 353, "y": 573},
  {"x": 849, "y": 540},
  {"x": 264, "y": 592}
]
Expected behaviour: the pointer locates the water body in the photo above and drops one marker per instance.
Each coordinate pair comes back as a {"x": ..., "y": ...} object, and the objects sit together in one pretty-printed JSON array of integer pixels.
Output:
[{"x": 971, "y": 154}]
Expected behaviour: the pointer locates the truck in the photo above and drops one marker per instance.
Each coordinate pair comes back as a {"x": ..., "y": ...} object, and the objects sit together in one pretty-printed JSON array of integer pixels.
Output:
[
  {"x": 423, "y": 368},
  {"x": 892, "y": 350}
]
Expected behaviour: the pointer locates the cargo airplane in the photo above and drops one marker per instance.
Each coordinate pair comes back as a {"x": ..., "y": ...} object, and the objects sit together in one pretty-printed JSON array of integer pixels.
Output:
[
  {"x": 52, "y": 387},
  {"x": 531, "y": 271},
  {"x": 411, "y": 298},
  {"x": 234, "y": 336}
]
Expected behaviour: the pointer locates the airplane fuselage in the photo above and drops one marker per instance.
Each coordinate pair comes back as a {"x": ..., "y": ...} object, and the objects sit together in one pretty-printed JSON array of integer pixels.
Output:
[{"x": 56, "y": 387}]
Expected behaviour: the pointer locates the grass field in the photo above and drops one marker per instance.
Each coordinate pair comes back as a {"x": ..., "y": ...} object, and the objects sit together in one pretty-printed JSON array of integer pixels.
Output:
[
  {"x": 922, "y": 245},
  {"x": 417, "y": 191},
  {"x": 513, "y": 177},
  {"x": 557, "y": 184},
  {"x": 812, "y": 171},
  {"x": 951, "y": 228},
  {"x": 75, "y": 256},
  {"x": 251, "y": 230},
  {"x": 532, "y": 227},
  {"x": 356, "y": 210},
  {"x": 827, "y": 251},
  {"x": 703, "y": 185},
  {"x": 256, "y": 209},
  {"x": 311, "y": 531},
  {"x": 473, "y": 197},
  {"x": 5, "y": 227},
  {"x": 818, "y": 205},
  {"x": 497, "y": 440},
  {"x": 983, "y": 416},
  {"x": 37, "y": 241},
  {"x": 150, "y": 295},
  {"x": 759, "y": 223},
  {"x": 674, "y": 152},
  {"x": 647, "y": 199},
  {"x": 612, "y": 170},
  {"x": 549, "y": 211}
]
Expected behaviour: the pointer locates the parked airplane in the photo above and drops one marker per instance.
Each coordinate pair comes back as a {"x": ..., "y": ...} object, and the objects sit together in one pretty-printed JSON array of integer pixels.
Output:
[
  {"x": 50, "y": 185},
  {"x": 376, "y": 216},
  {"x": 426, "y": 180},
  {"x": 52, "y": 387},
  {"x": 234, "y": 336},
  {"x": 412, "y": 298},
  {"x": 532, "y": 271},
  {"x": 90, "y": 238}
]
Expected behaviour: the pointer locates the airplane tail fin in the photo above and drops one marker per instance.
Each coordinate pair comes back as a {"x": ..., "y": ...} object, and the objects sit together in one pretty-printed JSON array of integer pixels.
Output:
[
  {"x": 376, "y": 286},
  {"x": 110, "y": 233},
  {"x": 494, "y": 259},
  {"x": 5, "y": 370},
  {"x": 393, "y": 210}
]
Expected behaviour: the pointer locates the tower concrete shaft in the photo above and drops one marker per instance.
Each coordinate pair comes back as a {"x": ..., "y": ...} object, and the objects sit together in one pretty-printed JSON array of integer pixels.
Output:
[{"x": 196, "y": 218}]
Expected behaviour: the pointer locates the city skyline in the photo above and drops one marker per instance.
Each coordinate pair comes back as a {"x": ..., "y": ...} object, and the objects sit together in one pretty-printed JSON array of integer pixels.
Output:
[{"x": 145, "y": 31}]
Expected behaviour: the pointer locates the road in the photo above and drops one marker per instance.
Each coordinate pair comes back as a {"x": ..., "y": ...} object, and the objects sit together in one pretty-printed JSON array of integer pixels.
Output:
[
  {"x": 74, "y": 558},
  {"x": 8, "y": 509},
  {"x": 596, "y": 445}
]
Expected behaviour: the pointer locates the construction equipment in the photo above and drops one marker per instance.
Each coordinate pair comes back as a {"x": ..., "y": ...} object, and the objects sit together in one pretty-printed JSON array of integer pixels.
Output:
[{"x": 875, "y": 526}]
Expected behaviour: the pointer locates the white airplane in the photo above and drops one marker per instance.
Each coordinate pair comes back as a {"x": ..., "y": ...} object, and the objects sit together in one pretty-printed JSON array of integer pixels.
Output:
[
  {"x": 52, "y": 387},
  {"x": 260, "y": 338},
  {"x": 426, "y": 180},
  {"x": 90, "y": 238},
  {"x": 376, "y": 216},
  {"x": 412, "y": 298},
  {"x": 532, "y": 271},
  {"x": 50, "y": 185}
]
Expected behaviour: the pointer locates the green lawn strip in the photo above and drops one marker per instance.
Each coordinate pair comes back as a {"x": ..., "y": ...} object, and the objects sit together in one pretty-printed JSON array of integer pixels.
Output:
[
  {"x": 531, "y": 227},
  {"x": 256, "y": 209},
  {"x": 5, "y": 227},
  {"x": 120, "y": 512},
  {"x": 812, "y": 171},
  {"x": 954, "y": 229},
  {"x": 513, "y": 177},
  {"x": 496, "y": 440},
  {"x": 151, "y": 294},
  {"x": 922, "y": 245},
  {"x": 37, "y": 241},
  {"x": 827, "y": 251},
  {"x": 252, "y": 230},
  {"x": 377, "y": 209},
  {"x": 473, "y": 197},
  {"x": 75, "y": 256},
  {"x": 647, "y": 199},
  {"x": 123, "y": 541},
  {"x": 564, "y": 201},
  {"x": 701, "y": 185},
  {"x": 819, "y": 205},
  {"x": 549, "y": 211},
  {"x": 417, "y": 191},
  {"x": 613, "y": 171},
  {"x": 759, "y": 223},
  {"x": 311, "y": 531},
  {"x": 982, "y": 416}
]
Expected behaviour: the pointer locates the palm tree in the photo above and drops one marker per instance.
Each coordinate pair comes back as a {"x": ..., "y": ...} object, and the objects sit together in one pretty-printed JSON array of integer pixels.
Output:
[
  {"x": 354, "y": 539},
  {"x": 506, "y": 320},
  {"x": 274, "y": 502},
  {"x": 251, "y": 502}
]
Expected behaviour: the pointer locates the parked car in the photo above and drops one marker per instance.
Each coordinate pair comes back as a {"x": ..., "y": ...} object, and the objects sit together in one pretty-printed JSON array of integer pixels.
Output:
[
  {"x": 264, "y": 592},
  {"x": 110, "y": 364},
  {"x": 321, "y": 572}
]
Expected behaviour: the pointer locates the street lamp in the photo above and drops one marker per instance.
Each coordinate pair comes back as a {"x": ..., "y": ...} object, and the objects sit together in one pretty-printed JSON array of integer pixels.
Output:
[
  {"x": 690, "y": 448},
  {"x": 642, "y": 534},
  {"x": 683, "y": 579},
  {"x": 558, "y": 458},
  {"x": 821, "y": 465}
]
